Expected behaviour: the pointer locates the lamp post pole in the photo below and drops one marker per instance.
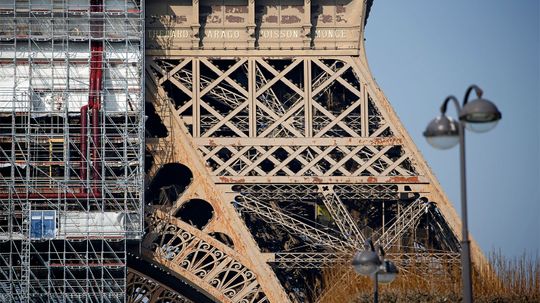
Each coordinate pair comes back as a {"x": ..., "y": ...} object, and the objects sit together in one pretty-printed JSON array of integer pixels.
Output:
[
  {"x": 465, "y": 243},
  {"x": 376, "y": 287},
  {"x": 443, "y": 132}
]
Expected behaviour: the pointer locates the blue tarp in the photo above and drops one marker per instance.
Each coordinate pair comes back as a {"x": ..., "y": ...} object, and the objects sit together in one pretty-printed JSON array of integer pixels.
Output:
[{"x": 43, "y": 224}]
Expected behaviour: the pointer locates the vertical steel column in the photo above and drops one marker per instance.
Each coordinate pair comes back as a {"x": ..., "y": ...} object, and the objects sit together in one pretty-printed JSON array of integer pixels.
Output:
[
  {"x": 251, "y": 97},
  {"x": 195, "y": 65},
  {"x": 308, "y": 108}
]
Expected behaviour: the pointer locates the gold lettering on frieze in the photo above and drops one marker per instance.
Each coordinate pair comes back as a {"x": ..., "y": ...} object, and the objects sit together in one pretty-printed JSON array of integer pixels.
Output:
[
  {"x": 279, "y": 34},
  {"x": 169, "y": 33},
  {"x": 331, "y": 33},
  {"x": 221, "y": 34},
  {"x": 266, "y": 34}
]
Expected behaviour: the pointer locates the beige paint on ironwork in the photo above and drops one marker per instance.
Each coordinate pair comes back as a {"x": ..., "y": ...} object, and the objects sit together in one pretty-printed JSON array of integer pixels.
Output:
[{"x": 349, "y": 146}]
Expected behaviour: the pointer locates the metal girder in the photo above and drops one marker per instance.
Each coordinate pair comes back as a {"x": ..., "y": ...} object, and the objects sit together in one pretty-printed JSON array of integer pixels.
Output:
[
  {"x": 299, "y": 192},
  {"x": 405, "y": 221},
  {"x": 316, "y": 235},
  {"x": 221, "y": 91},
  {"x": 350, "y": 141},
  {"x": 323, "y": 259},
  {"x": 341, "y": 216},
  {"x": 306, "y": 259},
  {"x": 318, "y": 179}
]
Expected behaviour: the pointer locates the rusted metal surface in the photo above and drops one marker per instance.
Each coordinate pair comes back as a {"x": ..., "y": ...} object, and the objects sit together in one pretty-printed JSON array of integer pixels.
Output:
[
  {"x": 141, "y": 288},
  {"x": 178, "y": 149},
  {"x": 207, "y": 264},
  {"x": 266, "y": 102}
]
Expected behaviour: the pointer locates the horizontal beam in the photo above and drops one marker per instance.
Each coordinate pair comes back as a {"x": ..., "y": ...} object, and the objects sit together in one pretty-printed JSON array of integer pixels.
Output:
[
  {"x": 274, "y": 52},
  {"x": 278, "y": 217},
  {"x": 306, "y": 260},
  {"x": 325, "y": 259},
  {"x": 321, "y": 180},
  {"x": 298, "y": 141}
]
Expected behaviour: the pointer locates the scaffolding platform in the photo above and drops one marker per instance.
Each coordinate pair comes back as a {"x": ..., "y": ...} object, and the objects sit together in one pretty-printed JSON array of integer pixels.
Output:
[{"x": 71, "y": 147}]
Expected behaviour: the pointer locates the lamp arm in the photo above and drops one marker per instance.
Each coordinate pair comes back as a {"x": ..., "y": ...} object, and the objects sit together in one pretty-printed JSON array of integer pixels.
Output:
[
  {"x": 381, "y": 251},
  {"x": 369, "y": 244},
  {"x": 478, "y": 90},
  {"x": 445, "y": 104}
]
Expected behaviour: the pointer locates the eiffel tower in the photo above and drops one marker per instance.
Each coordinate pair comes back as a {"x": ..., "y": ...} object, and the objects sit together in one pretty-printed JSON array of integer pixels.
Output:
[{"x": 271, "y": 154}]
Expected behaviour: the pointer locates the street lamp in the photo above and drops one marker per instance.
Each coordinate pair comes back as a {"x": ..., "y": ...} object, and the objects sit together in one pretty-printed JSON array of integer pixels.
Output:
[
  {"x": 443, "y": 132},
  {"x": 371, "y": 263}
]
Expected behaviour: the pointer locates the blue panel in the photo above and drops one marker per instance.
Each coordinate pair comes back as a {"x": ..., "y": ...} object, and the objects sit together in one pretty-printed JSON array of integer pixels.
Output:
[
  {"x": 35, "y": 226},
  {"x": 49, "y": 225},
  {"x": 43, "y": 224}
]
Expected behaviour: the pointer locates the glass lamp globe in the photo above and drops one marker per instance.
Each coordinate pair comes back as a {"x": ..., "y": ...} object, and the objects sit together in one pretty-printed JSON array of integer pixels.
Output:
[
  {"x": 366, "y": 262},
  {"x": 481, "y": 127},
  {"x": 443, "y": 142},
  {"x": 480, "y": 115},
  {"x": 388, "y": 272},
  {"x": 442, "y": 132}
]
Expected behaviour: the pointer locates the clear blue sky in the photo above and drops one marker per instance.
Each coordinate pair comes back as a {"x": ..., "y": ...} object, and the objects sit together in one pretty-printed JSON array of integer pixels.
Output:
[{"x": 420, "y": 51}]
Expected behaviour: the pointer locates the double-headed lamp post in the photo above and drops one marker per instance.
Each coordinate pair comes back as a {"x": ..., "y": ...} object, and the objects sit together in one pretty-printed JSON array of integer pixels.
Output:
[
  {"x": 371, "y": 263},
  {"x": 443, "y": 132}
]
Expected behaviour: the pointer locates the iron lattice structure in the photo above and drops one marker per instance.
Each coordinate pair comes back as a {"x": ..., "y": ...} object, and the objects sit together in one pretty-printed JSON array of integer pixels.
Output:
[
  {"x": 273, "y": 154},
  {"x": 71, "y": 148}
]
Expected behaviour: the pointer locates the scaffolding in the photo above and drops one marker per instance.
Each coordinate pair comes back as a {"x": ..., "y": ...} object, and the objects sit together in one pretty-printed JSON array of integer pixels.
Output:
[{"x": 71, "y": 147}]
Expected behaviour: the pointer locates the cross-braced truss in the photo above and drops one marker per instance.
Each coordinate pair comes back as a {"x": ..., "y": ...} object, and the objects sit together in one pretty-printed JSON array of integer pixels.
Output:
[
  {"x": 334, "y": 131},
  {"x": 305, "y": 157},
  {"x": 275, "y": 164}
]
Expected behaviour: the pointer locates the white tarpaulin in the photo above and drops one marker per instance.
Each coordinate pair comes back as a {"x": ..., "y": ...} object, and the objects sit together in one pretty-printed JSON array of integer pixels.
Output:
[
  {"x": 60, "y": 86},
  {"x": 49, "y": 91},
  {"x": 95, "y": 224}
]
